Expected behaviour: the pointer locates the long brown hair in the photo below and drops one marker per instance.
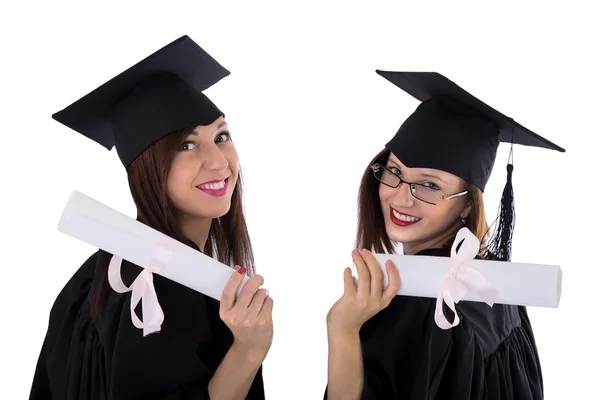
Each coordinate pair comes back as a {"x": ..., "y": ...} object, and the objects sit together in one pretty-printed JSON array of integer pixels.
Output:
[
  {"x": 371, "y": 233},
  {"x": 228, "y": 239}
]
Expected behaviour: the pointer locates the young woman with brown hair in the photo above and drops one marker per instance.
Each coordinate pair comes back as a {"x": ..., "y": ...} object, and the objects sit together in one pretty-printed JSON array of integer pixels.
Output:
[
  {"x": 185, "y": 180},
  {"x": 419, "y": 191}
]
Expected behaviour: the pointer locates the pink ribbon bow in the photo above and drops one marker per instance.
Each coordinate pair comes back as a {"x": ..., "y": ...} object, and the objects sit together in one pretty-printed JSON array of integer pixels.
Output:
[
  {"x": 142, "y": 289},
  {"x": 461, "y": 278}
]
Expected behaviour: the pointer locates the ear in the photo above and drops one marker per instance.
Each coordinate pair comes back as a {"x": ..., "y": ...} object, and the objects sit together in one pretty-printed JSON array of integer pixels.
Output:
[{"x": 465, "y": 213}]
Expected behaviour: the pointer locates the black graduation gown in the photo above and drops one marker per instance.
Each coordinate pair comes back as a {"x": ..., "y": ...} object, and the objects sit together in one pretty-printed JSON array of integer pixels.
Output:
[
  {"x": 491, "y": 354},
  {"x": 111, "y": 359}
]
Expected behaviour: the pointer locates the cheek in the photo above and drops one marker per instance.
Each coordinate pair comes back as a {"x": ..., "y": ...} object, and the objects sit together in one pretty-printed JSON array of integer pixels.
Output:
[
  {"x": 385, "y": 193},
  {"x": 181, "y": 177},
  {"x": 232, "y": 158},
  {"x": 440, "y": 213}
]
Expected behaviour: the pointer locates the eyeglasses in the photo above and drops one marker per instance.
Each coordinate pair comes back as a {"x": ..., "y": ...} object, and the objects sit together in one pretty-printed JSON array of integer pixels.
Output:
[{"x": 420, "y": 191}]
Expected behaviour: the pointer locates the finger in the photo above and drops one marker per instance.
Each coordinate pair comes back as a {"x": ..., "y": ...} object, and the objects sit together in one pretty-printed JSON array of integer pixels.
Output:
[
  {"x": 231, "y": 288},
  {"x": 364, "y": 278},
  {"x": 250, "y": 287},
  {"x": 267, "y": 310},
  {"x": 257, "y": 302},
  {"x": 393, "y": 281},
  {"x": 375, "y": 271},
  {"x": 349, "y": 286}
]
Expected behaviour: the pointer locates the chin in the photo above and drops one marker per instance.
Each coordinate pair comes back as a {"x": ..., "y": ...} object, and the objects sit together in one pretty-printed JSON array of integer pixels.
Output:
[
  {"x": 406, "y": 234},
  {"x": 203, "y": 210},
  {"x": 220, "y": 214},
  {"x": 404, "y": 237},
  {"x": 213, "y": 212}
]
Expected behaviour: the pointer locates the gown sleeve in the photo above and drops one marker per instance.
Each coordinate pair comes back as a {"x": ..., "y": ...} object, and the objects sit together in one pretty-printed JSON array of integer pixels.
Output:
[
  {"x": 404, "y": 357},
  {"x": 40, "y": 388},
  {"x": 112, "y": 359},
  {"x": 171, "y": 364},
  {"x": 491, "y": 354}
]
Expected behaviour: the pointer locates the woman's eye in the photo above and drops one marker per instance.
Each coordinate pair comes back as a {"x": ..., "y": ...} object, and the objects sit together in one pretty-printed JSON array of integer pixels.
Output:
[
  {"x": 223, "y": 137},
  {"x": 187, "y": 146},
  {"x": 431, "y": 186},
  {"x": 395, "y": 170}
]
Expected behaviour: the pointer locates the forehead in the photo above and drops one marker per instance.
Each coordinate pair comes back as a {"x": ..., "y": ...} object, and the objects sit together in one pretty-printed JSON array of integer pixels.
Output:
[{"x": 421, "y": 171}]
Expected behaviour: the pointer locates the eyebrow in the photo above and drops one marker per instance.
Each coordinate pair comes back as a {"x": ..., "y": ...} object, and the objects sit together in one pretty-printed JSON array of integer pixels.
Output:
[
  {"x": 423, "y": 175},
  {"x": 222, "y": 124},
  {"x": 434, "y": 177}
]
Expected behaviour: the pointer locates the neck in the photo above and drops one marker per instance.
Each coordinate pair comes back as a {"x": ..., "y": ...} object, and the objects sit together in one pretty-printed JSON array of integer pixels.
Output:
[
  {"x": 196, "y": 229},
  {"x": 410, "y": 249}
]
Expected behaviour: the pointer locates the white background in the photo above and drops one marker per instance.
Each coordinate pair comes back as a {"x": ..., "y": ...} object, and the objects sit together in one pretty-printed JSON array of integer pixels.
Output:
[{"x": 307, "y": 112}]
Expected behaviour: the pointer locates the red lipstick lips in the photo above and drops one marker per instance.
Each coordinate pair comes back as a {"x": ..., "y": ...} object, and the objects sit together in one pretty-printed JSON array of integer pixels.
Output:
[
  {"x": 400, "y": 222},
  {"x": 216, "y": 187}
]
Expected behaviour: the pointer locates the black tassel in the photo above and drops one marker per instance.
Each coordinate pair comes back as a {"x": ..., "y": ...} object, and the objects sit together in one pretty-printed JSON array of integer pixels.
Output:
[{"x": 500, "y": 244}]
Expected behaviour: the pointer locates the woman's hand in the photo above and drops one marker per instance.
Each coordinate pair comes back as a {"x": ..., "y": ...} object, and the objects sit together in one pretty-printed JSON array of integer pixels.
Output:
[
  {"x": 249, "y": 317},
  {"x": 361, "y": 302}
]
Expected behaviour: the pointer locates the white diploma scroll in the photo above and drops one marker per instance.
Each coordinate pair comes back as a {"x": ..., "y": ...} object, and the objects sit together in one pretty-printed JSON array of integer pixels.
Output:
[
  {"x": 103, "y": 227},
  {"x": 533, "y": 285},
  {"x": 462, "y": 277}
]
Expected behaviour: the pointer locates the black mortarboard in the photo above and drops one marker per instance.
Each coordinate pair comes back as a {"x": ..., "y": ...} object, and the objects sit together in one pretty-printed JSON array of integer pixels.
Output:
[
  {"x": 158, "y": 95},
  {"x": 453, "y": 131}
]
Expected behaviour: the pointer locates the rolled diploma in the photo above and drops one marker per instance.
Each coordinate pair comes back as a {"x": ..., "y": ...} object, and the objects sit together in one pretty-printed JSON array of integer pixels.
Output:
[
  {"x": 101, "y": 226},
  {"x": 534, "y": 285}
]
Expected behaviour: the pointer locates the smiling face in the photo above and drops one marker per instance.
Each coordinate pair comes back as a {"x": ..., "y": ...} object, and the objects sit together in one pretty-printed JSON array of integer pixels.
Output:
[
  {"x": 204, "y": 173},
  {"x": 412, "y": 222}
]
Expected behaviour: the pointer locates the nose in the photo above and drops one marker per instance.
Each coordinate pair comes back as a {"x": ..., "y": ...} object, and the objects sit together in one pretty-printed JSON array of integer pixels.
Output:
[
  {"x": 403, "y": 196},
  {"x": 215, "y": 159}
]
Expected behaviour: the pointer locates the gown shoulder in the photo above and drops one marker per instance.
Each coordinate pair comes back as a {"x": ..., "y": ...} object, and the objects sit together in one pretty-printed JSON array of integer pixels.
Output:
[{"x": 82, "y": 358}]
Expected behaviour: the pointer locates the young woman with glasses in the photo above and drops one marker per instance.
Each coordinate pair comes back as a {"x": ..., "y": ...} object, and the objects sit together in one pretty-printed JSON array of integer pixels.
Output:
[{"x": 418, "y": 192}]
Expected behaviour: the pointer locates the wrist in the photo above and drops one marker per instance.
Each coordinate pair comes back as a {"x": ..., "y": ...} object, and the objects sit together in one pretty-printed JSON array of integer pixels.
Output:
[
  {"x": 338, "y": 334},
  {"x": 249, "y": 354}
]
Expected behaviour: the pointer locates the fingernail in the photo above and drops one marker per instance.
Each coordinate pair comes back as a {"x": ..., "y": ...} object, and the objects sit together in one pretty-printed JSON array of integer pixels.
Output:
[
  {"x": 365, "y": 252},
  {"x": 266, "y": 291},
  {"x": 236, "y": 267},
  {"x": 355, "y": 252},
  {"x": 242, "y": 270}
]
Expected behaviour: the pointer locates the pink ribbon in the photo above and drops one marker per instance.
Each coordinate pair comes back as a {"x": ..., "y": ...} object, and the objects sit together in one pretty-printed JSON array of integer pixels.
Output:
[
  {"x": 461, "y": 279},
  {"x": 143, "y": 288}
]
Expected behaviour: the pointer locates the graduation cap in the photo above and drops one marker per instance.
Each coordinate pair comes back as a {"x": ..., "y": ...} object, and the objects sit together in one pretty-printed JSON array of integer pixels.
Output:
[
  {"x": 156, "y": 96},
  {"x": 453, "y": 131}
]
